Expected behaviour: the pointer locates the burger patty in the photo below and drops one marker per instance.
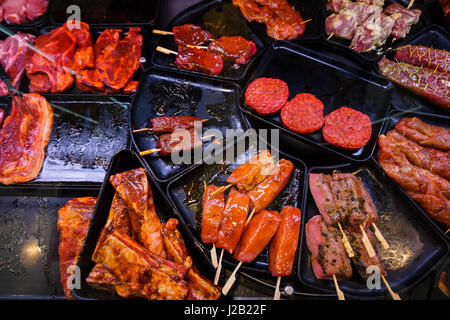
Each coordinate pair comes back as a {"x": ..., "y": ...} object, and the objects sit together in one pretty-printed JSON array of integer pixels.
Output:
[
  {"x": 267, "y": 95},
  {"x": 303, "y": 114}
]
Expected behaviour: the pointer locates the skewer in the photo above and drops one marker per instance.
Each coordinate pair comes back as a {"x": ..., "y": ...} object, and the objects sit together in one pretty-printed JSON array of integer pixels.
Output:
[
  {"x": 347, "y": 245},
  {"x": 394, "y": 295},
  {"x": 150, "y": 151},
  {"x": 277, "y": 294},
  {"x": 198, "y": 47},
  {"x": 250, "y": 216},
  {"x": 330, "y": 36},
  {"x": 162, "y": 32},
  {"x": 410, "y": 4},
  {"x": 151, "y": 129},
  {"x": 231, "y": 280},
  {"x": 219, "y": 269},
  {"x": 306, "y": 21},
  {"x": 380, "y": 236},
  {"x": 447, "y": 231},
  {"x": 166, "y": 51},
  {"x": 339, "y": 292},
  {"x": 222, "y": 189},
  {"x": 366, "y": 241}
]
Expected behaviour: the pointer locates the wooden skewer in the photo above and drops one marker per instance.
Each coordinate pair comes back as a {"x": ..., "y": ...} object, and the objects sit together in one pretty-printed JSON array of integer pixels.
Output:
[
  {"x": 162, "y": 32},
  {"x": 394, "y": 295},
  {"x": 330, "y": 36},
  {"x": 219, "y": 269},
  {"x": 339, "y": 292},
  {"x": 151, "y": 129},
  {"x": 306, "y": 21},
  {"x": 213, "y": 249},
  {"x": 250, "y": 216},
  {"x": 447, "y": 231},
  {"x": 197, "y": 47},
  {"x": 410, "y": 4},
  {"x": 380, "y": 236},
  {"x": 231, "y": 280},
  {"x": 277, "y": 294},
  {"x": 221, "y": 189},
  {"x": 366, "y": 242},
  {"x": 347, "y": 245},
  {"x": 166, "y": 51},
  {"x": 150, "y": 151}
]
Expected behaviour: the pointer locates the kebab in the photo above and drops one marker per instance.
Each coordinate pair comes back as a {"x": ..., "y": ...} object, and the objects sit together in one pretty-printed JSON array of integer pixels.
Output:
[
  {"x": 187, "y": 34},
  {"x": 284, "y": 245},
  {"x": 255, "y": 238},
  {"x": 167, "y": 124}
]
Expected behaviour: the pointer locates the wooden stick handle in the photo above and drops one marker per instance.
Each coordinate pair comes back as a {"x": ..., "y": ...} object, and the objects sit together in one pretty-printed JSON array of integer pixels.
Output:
[
  {"x": 347, "y": 246},
  {"x": 250, "y": 216},
  {"x": 221, "y": 189},
  {"x": 166, "y": 51},
  {"x": 197, "y": 47},
  {"x": 380, "y": 236},
  {"x": 231, "y": 280},
  {"x": 410, "y": 4},
  {"x": 214, "y": 256},
  {"x": 339, "y": 292},
  {"x": 219, "y": 269},
  {"x": 142, "y": 130},
  {"x": 394, "y": 295},
  {"x": 162, "y": 32},
  {"x": 277, "y": 294},
  {"x": 150, "y": 151},
  {"x": 306, "y": 21},
  {"x": 366, "y": 242}
]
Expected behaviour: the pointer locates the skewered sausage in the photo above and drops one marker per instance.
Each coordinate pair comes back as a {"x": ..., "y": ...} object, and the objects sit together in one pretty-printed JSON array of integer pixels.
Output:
[
  {"x": 424, "y": 56},
  {"x": 179, "y": 140},
  {"x": 213, "y": 210},
  {"x": 166, "y": 124}
]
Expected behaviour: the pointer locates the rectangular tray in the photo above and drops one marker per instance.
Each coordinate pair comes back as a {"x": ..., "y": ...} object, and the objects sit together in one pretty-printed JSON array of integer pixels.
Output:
[
  {"x": 394, "y": 117},
  {"x": 86, "y": 133},
  {"x": 373, "y": 56},
  {"x": 29, "y": 240},
  {"x": 123, "y": 161},
  {"x": 163, "y": 92},
  {"x": 331, "y": 81},
  {"x": 108, "y": 12},
  {"x": 434, "y": 37},
  {"x": 186, "y": 193},
  {"x": 195, "y": 14},
  {"x": 416, "y": 245}
]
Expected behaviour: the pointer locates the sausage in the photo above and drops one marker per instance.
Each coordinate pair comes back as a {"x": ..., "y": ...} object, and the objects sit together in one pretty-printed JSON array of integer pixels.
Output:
[
  {"x": 179, "y": 140},
  {"x": 233, "y": 222},
  {"x": 284, "y": 245},
  {"x": 303, "y": 114},
  {"x": 190, "y": 34},
  {"x": 213, "y": 210},
  {"x": 254, "y": 171},
  {"x": 265, "y": 192},
  {"x": 423, "y": 56},
  {"x": 267, "y": 95},
  {"x": 167, "y": 124},
  {"x": 257, "y": 235},
  {"x": 427, "y": 83},
  {"x": 347, "y": 128},
  {"x": 198, "y": 60},
  {"x": 233, "y": 49}
]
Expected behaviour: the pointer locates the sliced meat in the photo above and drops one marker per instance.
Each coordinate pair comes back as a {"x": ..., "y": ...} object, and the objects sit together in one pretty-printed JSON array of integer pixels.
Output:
[
  {"x": 190, "y": 34},
  {"x": 199, "y": 60},
  {"x": 233, "y": 49}
]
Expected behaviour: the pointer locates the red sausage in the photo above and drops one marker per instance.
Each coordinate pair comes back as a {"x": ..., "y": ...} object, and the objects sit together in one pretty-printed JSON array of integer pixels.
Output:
[
  {"x": 257, "y": 235},
  {"x": 213, "y": 210},
  {"x": 168, "y": 124},
  {"x": 233, "y": 222},
  {"x": 284, "y": 245},
  {"x": 422, "y": 56},
  {"x": 265, "y": 192}
]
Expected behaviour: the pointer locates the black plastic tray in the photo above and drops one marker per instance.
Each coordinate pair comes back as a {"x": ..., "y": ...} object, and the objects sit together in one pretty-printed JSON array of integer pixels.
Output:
[
  {"x": 374, "y": 55},
  {"x": 186, "y": 193},
  {"x": 36, "y": 23},
  {"x": 86, "y": 133},
  {"x": 95, "y": 33},
  {"x": 108, "y": 12},
  {"x": 416, "y": 245},
  {"x": 29, "y": 264},
  {"x": 435, "y": 37},
  {"x": 331, "y": 81},
  {"x": 195, "y": 15},
  {"x": 163, "y": 92},
  {"x": 394, "y": 117},
  {"x": 123, "y": 161}
]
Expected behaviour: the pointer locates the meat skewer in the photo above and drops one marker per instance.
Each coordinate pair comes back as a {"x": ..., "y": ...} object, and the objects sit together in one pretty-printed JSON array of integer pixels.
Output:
[
  {"x": 283, "y": 246},
  {"x": 167, "y": 124},
  {"x": 187, "y": 34},
  {"x": 255, "y": 238}
]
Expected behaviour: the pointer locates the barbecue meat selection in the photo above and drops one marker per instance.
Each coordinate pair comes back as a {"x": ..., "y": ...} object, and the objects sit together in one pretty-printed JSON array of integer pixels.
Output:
[
  {"x": 73, "y": 222},
  {"x": 328, "y": 255},
  {"x": 22, "y": 11},
  {"x": 13, "y": 51},
  {"x": 281, "y": 20},
  {"x": 23, "y": 139}
]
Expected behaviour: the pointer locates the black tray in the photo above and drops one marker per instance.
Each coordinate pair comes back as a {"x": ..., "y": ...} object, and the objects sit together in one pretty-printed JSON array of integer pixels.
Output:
[
  {"x": 86, "y": 133},
  {"x": 95, "y": 33},
  {"x": 374, "y": 55},
  {"x": 123, "y": 161},
  {"x": 195, "y": 15},
  {"x": 37, "y": 23},
  {"x": 29, "y": 264},
  {"x": 435, "y": 37},
  {"x": 394, "y": 117},
  {"x": 169, "y": 93},
  {"x": 408, "y": 232},
  {"x": 186, "y": 193},
  {"x": 109, "y": 12},
  {"x": 331, "y": 81}
]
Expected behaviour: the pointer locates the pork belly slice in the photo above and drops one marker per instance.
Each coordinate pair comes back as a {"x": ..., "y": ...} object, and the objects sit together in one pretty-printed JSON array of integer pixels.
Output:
[
  {"x": 151, "y": 276},
  {"x": 328, "y": 255},
  {"x": 403, "y": 23}
]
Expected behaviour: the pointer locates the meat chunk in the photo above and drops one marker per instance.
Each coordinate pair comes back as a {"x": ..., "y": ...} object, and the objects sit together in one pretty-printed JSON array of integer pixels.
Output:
[
  {"x": 22, "y": 11},
  {"x": 403, "y": 23},
  {"x": 373, "y": 32}
]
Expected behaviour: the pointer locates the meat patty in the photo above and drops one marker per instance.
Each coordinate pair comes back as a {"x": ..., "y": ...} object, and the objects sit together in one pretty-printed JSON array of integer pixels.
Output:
[
  {"x": 267, "y": 95},
  {"x": 347, "y": 128},
  {"x": 303, "y": 114}
]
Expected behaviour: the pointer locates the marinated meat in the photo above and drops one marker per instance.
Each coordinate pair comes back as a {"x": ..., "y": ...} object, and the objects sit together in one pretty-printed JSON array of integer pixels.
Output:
[
  {"x": 167, "y": 124},
  {"x": 199, "y": 60},
  {"x": 23, "y": 138},
  {"x": 73, "y": 223},
  {"x": 328, "y": 255},
  {"x": 177, "y": 141},
  {"x": 22, "y": 11},
  {"x": 424, "y": 56},
  {"x": 213, "y": 207},
  {"x": 403, "y": 23},
  {"x": 233, "y": 49},
  {"x": 372, "y": 33},
  {"x": 190, "y": 34}
]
